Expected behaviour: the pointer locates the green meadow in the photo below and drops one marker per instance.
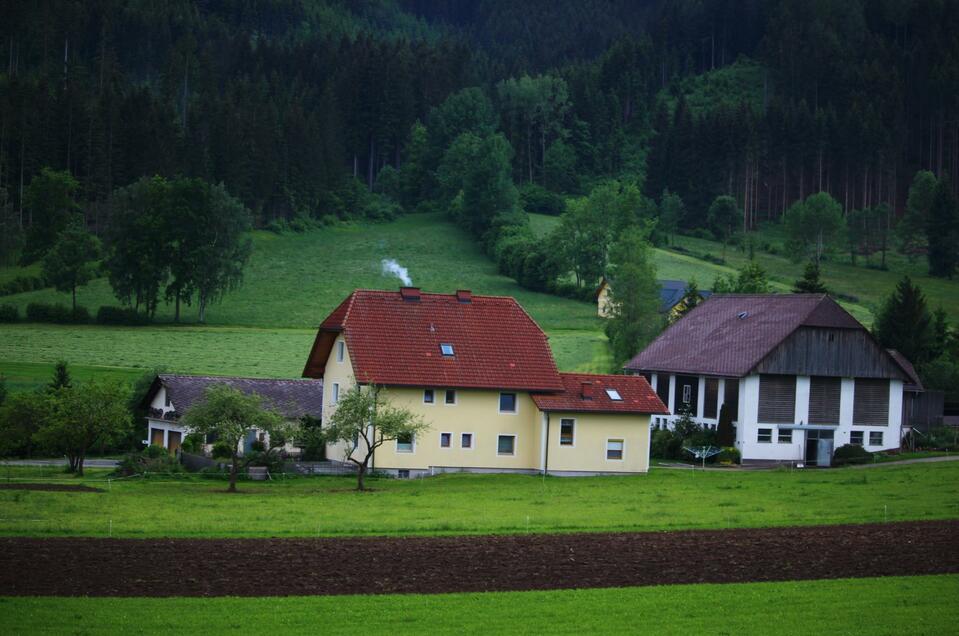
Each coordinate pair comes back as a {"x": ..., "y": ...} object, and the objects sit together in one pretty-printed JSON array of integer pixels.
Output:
[
  {"x": 878, "y": 606},
  {"x": 664, "y": 499}
]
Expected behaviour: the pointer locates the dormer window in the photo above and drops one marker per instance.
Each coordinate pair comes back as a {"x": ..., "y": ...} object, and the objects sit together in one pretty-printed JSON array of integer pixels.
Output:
[
  {"x": 446, "y": 349},
  {"x": 614, "y": 395}
]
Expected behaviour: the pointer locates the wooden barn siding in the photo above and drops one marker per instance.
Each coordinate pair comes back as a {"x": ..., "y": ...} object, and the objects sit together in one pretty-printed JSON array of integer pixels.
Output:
[{"x": 851, "y": 354}]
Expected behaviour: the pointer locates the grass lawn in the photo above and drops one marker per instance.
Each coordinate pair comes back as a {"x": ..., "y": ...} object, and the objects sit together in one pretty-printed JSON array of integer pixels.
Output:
[
  {"x": 892, "y": 605},
  {"x": 482, "y": 504}
]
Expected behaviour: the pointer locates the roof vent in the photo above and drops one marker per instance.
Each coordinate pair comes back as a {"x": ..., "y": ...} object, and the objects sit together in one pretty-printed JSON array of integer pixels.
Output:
[
  {"x": 586, "y": 390},
  {"x": 742, "y": 315},
  {"x": 411, "y": 294},
  {"x": 464, "y": 295}
]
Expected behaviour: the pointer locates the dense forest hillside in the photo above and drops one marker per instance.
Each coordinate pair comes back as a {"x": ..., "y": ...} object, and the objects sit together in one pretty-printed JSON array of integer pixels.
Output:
[{"x": 284, "y": 101}]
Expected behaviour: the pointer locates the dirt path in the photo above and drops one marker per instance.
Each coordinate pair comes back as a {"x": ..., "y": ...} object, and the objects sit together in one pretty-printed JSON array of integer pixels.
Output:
[{"x": 280, "y": 567}]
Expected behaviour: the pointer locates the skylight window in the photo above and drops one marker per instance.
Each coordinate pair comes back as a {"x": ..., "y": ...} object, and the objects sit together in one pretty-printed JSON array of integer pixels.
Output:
[
  {"x": 614, "y": 395},
  {"x": 446, "y": 349}
]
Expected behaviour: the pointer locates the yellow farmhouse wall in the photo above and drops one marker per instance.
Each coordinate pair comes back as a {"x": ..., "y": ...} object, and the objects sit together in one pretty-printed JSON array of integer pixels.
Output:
[
  {"x": 591, "y": 432},
  {"x": 477, "y": 412}
]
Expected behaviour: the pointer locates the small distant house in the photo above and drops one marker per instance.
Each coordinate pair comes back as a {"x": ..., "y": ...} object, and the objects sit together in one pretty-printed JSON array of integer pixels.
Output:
[
  {"x": 799, "y": 375},
  {"x": 480, "y": 373},
  {"x": 171, "y": 395},
  {"x": 671, "y": 294}
]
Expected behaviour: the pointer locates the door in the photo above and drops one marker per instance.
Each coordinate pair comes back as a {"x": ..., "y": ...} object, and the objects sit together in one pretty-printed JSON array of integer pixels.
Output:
[
  {"x": 824, "y": 453},
  {"x": 156, "y": 437},
  {"x": 812, "y": 448},
  {"x": 173, "y": 440}
]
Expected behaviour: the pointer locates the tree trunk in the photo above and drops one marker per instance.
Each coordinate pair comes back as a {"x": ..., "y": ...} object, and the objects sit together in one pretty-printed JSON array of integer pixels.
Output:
[
  {"x": 79, "y": 470},
  {"x": 74, "y": 291},
  {"x": 176, "y": 313},
  {"x": 233, "y": 464},
  {"x": 360, "y": 476}
]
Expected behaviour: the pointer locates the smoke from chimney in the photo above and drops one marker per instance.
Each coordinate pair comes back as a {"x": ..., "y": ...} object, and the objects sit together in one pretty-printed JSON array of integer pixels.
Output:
[{"x": 392, "y": 268}]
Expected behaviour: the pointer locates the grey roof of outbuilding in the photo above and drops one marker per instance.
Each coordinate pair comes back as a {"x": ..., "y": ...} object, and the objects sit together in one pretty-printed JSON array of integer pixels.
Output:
[
  {"x": 729, "y": 334},
  {"x": 290, "y": 398},
  {"x": 914, "y": 384}
]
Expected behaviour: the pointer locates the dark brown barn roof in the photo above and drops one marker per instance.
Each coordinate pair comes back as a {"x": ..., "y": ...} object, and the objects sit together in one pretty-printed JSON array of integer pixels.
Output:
[
  {"x": 290, "y": 398},
  {"x": 729, "y": 334},
  {"x": 914, "y": 384}
]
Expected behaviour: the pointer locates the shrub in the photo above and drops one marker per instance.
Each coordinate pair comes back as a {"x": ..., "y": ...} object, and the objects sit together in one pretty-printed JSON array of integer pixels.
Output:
[
  {"x": 9, "y": 313},
  {"x": 942, "y": 438},
  {"x": 272, "y": 460},
  {"x": 851, "y": 454},
  {"x": 729, "y": 455},
  {"x": 107, "y": 315},
  {"x": 666, "y": 445},
  {"x": 535, "y": 198},
  {"x": 702, "y": 233},
  {"x": 152, "y": 459},
  {"x": 257, "y": 446},
  {"x": 22, "y": 284},
  {"x": 57, "y": 313},
  {"x": 222, "y": 449}
]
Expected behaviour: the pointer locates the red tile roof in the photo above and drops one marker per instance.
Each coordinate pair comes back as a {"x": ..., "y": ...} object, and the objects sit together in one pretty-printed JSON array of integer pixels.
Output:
[
  {"x": 396, "y": 342},
  {"x": 638, "y": 396}
]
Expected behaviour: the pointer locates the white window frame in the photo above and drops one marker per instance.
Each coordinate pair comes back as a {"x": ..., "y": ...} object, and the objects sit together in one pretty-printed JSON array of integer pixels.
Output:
[
  {"x": 622, "y": 451},
  {"x": 340, "y": 351},
  {"x": 446, "y": 394},
  {"x": 443, "y": 346},
  {"x": 614, "y": 395},
  {"x": 498, "y": 436},
  {"x": 441, "y": 440},
  {"x": 687, "y": 393},
  {"x": 432, "y": 393},
  {"x": 759, "y": 433},
  {"x": 862, "y": 438},
  {"x": 499, "y": 403},
  {"x": 881, "y": 437},
  {"x": 567, "y": 419},
  {"x": 334, "y": 393},
  {"x": 412, "y": 445},
  {"x": 779, "y": 436},
  {"x": 472, "y": 441}
]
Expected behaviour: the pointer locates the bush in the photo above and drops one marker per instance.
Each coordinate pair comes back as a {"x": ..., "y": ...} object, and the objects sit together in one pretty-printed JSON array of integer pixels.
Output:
[
  {"x": 257, "y": 446},
  {"x": 152, "y": 459},
  {"x": 702, "y": 233},
  {"x": 272, "y": 460},
  {"x": 851, "y": 454},
  {"x": 107, "y": 315},
  {"x": 942, "y": 438},
  {"x": 57, "y": 313},
  {"x": 9, "y": 313},
  {"x": 666, "y": 445},
  {"x": 222, "y": 449},
  {"x": 22, "y": 284},
  {"x": 537, "y": 199},
  {"x": 729, "y": 455}
]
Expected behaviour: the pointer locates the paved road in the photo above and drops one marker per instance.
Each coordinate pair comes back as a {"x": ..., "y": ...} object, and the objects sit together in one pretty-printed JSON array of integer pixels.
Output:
[{"x": 87, "y": 463}]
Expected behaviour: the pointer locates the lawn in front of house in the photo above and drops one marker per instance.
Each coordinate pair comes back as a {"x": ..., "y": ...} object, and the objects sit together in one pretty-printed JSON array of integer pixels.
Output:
[
  {"x": 482, "y": 504},
  {"x": 878, "y": 606}
]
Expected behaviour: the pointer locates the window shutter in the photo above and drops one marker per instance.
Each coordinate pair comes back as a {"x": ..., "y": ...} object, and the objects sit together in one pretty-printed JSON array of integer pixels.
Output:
[
  {"x": 824, "y": 394},
  {"x": 870, "y": 405},
  {"x": 777, "y": 399}
]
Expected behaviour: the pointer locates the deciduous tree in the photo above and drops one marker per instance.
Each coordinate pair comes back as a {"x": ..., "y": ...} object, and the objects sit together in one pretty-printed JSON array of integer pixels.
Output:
[
  {"x": 942, "y": 231},
  {"x": 634, "y": 318},
  {"x": 70, "y": 263},
  {"x": 814, "y": 226}
]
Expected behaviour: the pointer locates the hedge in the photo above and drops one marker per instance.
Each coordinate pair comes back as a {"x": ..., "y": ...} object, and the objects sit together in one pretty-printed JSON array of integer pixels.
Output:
[{"x": 57, "y": 313}]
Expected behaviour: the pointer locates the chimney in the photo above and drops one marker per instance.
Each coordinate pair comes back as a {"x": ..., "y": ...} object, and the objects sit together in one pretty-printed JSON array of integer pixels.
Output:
[
  {"x": 464, "y": 296},
  {"x": 410, "y": 294},
  {"x": 587, "y": 390}
]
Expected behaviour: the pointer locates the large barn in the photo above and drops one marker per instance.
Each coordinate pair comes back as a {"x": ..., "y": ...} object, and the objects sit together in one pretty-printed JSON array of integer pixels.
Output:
[{"x": 798, "y": 373}]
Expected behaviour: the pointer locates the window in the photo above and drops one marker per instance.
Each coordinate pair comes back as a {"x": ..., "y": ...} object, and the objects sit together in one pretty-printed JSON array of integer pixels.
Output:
[
  {"x": 446, "y": 349},
  {"x": 765, "y": 436},
  {"x": 506, "y": 445},
  {"x": 855, "y": 438},
  {"x": 614, "y": 395},
  {"x": 566, "y": 432},
  {"x": 777, "y": 399},
  {"x": 166, "y": 399},
  {"x": 403, "y": 473},
  {"x": 340, "y": 351},
  {"x": 428, "y": 396},
  {"x": 466, "y": 440},
  {"x": 335, "y": 393},
  {"x": 404, "y": 444},
  {"x": 870, "y": 402},
  {"x": 451, "y": 396},
  {"x": 711, "y": 399},
  {"x": 614, "y": 449},
  {"x": 662, "y": 387},
  {"x": 507, "y": 402},
  {"x": 875, "y": 438},
  {"x": 446, "y": 440},
  {"x": 687, "y": 393},
  {"x": 731, "y": 397},
  {"x": 785, "y": 436}
]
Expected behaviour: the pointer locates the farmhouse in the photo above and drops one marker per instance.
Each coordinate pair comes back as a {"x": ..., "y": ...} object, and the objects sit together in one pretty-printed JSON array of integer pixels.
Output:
[
  {"x": 480, "y": 372},
  {"x": 799, "y": 375},
  {"x": 671, "y": 293},
  {"x": 171, "y": 395}
]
